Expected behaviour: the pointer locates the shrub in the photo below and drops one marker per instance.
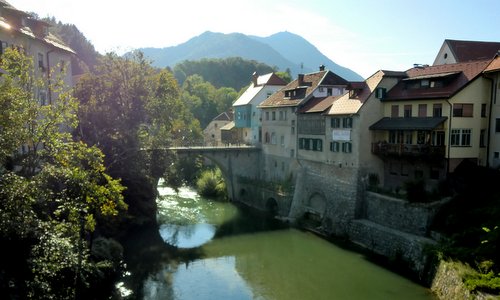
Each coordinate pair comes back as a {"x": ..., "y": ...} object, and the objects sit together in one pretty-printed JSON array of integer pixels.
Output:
[{"x": 211, "y": 184}]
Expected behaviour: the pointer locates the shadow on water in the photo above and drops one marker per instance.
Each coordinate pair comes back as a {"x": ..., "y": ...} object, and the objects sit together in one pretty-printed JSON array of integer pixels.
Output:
[{"x": 248, "y": 221}]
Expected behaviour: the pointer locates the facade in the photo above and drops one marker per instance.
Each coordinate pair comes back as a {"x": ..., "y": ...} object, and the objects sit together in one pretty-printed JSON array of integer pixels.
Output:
[
  {"x": 348, "y": 139},
  {"x": 281, "y": 117},
  {"x": 247, "y": 117},
  {"x": 52, "y": 58},
  {"x": 432, "y": 120},
  {"x": 212, "y": 133},
  {"x": 492, "y": 74}
]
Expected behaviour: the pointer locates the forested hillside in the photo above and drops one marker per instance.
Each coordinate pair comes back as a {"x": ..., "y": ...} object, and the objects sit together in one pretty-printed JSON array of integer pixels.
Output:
[{"x": 233, "y": 72}]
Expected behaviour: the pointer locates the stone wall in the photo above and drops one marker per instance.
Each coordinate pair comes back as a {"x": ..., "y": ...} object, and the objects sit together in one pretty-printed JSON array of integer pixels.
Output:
[
  {"x": 414, "y": 218},
  {"x": 336, "y": 185}
]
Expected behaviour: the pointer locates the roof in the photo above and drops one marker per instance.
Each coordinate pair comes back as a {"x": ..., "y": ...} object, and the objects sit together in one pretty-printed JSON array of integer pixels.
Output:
[
  {"x": 228, "y": 126},
  {"x": 494, "y": 66},
  {"x": 225, "y": 116},
  {"x": 413, "y": 123},
  {"x": 248, "y": 95},
  {"x": 317, "y": 105},
  {"x": 309, "y": 83},
  {"x": 254, "y": 89},
  {"x": 49, "y": 39},
  {"x": 466, "y": 51},
  {"x": 270, "y": 79},
  {"x": 457, "y": 75},
  {"x": 350, "y": 103}
]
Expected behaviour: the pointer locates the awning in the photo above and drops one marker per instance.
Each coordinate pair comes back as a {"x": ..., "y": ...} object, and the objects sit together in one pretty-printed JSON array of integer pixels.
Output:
[{"x": 413, "y": 123}]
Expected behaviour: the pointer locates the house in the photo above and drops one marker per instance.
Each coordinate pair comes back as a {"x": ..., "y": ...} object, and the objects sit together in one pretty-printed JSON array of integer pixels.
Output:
[
  {"x": 348, "y": 138},
  {"x": 455, "y": 51},
  {"x": 212, "y": 133},
  {"x": 51, "y": 56},
  {"x": 247, "y": 117},
  {"x": 432, "y": 120},
  {"x": 492, "y": 74},
  {"x": 281, "y": 120}
]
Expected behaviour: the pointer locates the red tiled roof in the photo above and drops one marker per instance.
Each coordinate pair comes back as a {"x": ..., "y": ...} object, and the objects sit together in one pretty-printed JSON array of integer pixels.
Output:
[
  {"x": 494, "y": 66},
  {"x": 317, "y": 105},
  {"x": 466, "y": 51},
  {"x": 310, "y": 82},
  {"x": 460, "y": 75}
]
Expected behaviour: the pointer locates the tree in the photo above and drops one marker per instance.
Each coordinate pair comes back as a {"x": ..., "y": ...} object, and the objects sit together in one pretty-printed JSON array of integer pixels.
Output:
[
  {"x": 204, "y": 100},
  {"x": 132, "y": 112},
  {"x": 54, "y": 190}
]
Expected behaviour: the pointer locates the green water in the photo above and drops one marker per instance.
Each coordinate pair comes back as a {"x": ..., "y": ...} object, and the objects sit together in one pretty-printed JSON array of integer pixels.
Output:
[{"x": 210, "y": 250}]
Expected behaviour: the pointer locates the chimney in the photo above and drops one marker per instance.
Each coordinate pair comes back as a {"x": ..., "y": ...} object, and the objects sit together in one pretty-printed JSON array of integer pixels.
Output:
[
  {"x": 300, "y": 79},
  {"x": 321, "y": 68},
  {"x": 254, "y": 78}
]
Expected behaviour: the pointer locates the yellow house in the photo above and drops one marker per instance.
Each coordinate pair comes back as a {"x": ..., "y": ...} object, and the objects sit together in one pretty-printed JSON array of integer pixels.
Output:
[{"x": 433, "y": 119}]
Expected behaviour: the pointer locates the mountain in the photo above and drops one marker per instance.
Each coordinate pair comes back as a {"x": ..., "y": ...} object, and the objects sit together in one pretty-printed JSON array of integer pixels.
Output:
[
  {"x": 296, "y": 49},
  {"x": 283, "y": 50}
]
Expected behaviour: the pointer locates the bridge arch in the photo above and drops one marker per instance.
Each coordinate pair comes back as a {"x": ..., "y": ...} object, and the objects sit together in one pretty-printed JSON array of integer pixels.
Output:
[{"x": 272, "y": 206}]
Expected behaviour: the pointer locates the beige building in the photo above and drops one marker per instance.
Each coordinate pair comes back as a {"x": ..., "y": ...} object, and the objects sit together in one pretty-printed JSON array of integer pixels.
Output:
[
  {"x": 280, "y": 121},
  {"x": 492, "y": 74},
  {"x": 432, "y": 120},
  {"x": 455, "y": 51},
  {"x": 51, "y": 57}
]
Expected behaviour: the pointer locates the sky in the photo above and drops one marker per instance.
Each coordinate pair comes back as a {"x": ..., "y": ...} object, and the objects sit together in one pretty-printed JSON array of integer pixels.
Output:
[{"x": 363, "y": 35}]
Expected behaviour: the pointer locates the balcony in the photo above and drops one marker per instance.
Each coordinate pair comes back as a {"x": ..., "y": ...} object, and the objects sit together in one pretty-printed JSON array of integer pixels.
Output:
[{"x": 385, "y": 149}]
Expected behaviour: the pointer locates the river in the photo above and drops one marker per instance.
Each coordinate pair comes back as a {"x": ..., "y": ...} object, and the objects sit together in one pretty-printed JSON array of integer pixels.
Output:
[{"x": 212, "y": 250}]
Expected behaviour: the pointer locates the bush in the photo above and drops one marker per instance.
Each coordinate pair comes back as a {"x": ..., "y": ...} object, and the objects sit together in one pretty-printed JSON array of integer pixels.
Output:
[{"x": 211, "y": 184}]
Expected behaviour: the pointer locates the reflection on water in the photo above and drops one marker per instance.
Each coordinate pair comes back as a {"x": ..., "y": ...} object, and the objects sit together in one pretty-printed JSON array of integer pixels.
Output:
[
  {"x": 187, "y": 236},
  {"x": 212, "y": 250}
]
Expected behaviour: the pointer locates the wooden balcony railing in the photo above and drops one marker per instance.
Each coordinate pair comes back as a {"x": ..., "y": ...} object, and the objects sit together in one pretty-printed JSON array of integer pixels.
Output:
[{"x": 407, "y": 150}]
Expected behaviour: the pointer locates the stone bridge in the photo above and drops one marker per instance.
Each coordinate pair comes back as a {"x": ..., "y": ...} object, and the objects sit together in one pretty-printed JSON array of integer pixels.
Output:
[{"x": 234, "y": 161}]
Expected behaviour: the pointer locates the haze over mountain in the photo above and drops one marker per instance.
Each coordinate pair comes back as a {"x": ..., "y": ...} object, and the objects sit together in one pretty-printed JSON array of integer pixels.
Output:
[{"x": 283, "y": 50}]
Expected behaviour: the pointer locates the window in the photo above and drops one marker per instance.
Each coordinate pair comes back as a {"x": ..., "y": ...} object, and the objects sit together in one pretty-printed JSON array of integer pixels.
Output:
[
  {"x": 408, "y": 137},
  {"x": 334, "y": 146},
  {"x": 483, "y": 110},
  {"x": 3, "y": 46},
  {"x": 461, "y": 137},
  {"x": 347, "y": 147},
  {"x": 267, "y": 139},
  {"x": 281, "y": 115},
  {"x": 496, "y": 155},
  {"x": 273, "y": 138},
  {"x": 317, "y": 145},
  {"x": 380, "y": 93},
  {"x": 274, "y": 116},
  {"x": 462, "y": 110},
  {"x": 267, "y": 116},
  {"x": 482, "y": 136},
  {"x": 292, "y": 152},
  {"x": 437, "y": 138},
  {"x": 40, "y": 61},
  {"x": 407, "y": 111},
  {"x": 335, "y": 122},
  {"x": 347, "y": 122},
  {"x": 421, "y": 137},
  {"x": 293, "y": 130},
  {"x": 329, "y": 91},
  {"x": 395, "y": 111},
  {"x": 282, "y": 140},
  {"x": 42, "y": 97},
  {"x": 422, "y": 110},
  {"x": 268, "y": 94},
  {"x": 497, "y": 125},
  {"x": 437, "y": 110}
]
